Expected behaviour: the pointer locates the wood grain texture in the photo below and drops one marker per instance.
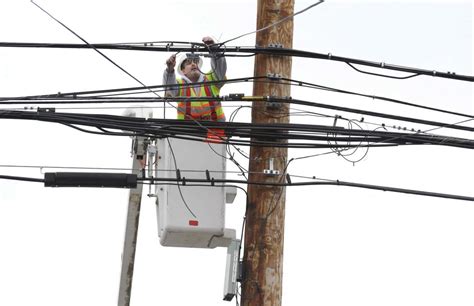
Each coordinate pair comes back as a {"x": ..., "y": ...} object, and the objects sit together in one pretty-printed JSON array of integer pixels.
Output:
[{"x": 264, "y": 233}]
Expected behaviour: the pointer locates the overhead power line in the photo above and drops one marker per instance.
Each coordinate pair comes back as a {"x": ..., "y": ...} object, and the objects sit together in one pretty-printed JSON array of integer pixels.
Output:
[
  {"x": 88, "y": 44},
  {"x": 123, "y": 95},
  {"x": 234, "y": 97},
  {"x": 239, "y": 51},
  {"x": 117, "y": 180},
  {"x": 301, "y": 135}
]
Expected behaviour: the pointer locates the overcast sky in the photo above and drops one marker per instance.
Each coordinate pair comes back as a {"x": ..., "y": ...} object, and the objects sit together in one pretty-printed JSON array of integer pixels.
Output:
[{"x": 343, "y": 246}]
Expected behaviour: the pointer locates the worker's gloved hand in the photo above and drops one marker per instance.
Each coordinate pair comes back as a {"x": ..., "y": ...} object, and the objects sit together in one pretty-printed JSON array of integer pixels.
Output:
[
  {"x": 170, "y": 63},
  {"x": 208, "y": 40}
]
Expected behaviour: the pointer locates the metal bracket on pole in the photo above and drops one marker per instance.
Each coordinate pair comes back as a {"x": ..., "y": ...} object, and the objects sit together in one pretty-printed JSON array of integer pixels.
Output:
[
  {"x": 270, "y": 170},
  {"x": 276, "y": 45},
  {"x": 271, "y": 104}
]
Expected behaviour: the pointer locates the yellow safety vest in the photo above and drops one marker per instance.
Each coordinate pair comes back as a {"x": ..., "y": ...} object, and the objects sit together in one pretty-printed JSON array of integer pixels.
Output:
[{"x": 200, "y": 110}]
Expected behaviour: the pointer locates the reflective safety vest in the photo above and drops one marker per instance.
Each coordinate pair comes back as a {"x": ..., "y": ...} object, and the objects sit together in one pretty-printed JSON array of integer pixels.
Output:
[{"x": 200, "y": 110}]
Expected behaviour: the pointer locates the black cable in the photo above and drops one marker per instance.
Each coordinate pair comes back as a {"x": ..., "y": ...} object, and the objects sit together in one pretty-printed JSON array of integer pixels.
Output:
[
  {"x": 280, "y": 194},
  {"x": 334, "y": 183},
  {"x": 88, "y": 44},
  {"x": 179, "y": 188},
  {"x": 21, "y": 178},
  {"x": 273, "y": 24},
  {"x": 333, "y": 107},
  {"x": 304, "y": 135},
  {"x": 327, "y": 182},
  {"x": 195, "y": 48},
  {"x": 396, "y": 101},
  {"x": 382, "y": 75},
  {"x": 263, "y": 79}
]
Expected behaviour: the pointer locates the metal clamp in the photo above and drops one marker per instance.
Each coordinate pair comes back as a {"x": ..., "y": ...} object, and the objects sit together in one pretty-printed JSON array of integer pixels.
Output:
[
  {"x": 274, "y": 76},
  {"x": 271, "y": 170},
  {"x": 276, "y": 45}
]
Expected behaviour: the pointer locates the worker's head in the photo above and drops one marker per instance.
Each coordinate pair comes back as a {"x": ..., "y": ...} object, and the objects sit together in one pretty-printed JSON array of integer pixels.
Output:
[{"x": 190, "y": 66}]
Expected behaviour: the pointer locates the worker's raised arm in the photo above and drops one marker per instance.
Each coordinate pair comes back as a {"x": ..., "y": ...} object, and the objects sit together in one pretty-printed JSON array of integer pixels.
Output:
[
  {"x": 218, "y": 61},
  {"x": 169, "y": 76}
]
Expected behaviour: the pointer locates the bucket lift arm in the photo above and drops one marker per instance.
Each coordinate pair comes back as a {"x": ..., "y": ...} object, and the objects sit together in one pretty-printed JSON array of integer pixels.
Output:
[{"x": 131, "y": 230}]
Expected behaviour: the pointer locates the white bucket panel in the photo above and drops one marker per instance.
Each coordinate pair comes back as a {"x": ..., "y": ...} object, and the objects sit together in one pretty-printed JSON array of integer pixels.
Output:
[{"x": 176, "y": 224}]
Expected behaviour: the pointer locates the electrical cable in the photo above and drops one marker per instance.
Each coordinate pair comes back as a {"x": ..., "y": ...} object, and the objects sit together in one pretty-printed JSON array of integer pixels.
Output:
[
  {"x": 280, "y": 194},
  {"x": 88, "y": 44},
  {"x": 273, "y": 24},
  {"x": 74, "y": 95},
  {"x": 352, "y": 110},
  {"x": 45, "y": 167},
  {"x": 304, "y": 135},
  {"x": 320, "y": 182},
  {"x": 382, "y": 75},
  {"x": 209, "y": 131},
  {"x": 17, "y": 101},
  {"x": 179, "y": 188},
  {"x": 196, "y": 48},
  {"x": 21, "y": 178},
  {"x": 334, "y": 183}
]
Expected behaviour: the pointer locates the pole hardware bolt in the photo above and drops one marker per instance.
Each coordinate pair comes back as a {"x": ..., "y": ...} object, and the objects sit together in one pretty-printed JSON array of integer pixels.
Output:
[{"x": 271, "y": 170}]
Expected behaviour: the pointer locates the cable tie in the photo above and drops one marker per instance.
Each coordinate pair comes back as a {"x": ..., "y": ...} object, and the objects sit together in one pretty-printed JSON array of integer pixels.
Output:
[
  {"x": 208, "y": 176},
  {"x": 178, "y": 174},
  {"x": 329, "y": 56},
  {"x": 212, "y": 182},
  {"x": 184, "y": 181}
]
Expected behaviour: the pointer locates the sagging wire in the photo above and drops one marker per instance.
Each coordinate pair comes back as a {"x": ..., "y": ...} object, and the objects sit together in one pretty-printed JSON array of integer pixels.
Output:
[
  {"x": 82, "y": 39},
  {"x": 179, "y": 187},
  {"x": 231, "y": 155},
  {"x": 348, "y": 151},
  {"x": 118, "y": 66},
  {"x": 178, "y": 128},
  {"x": 383, "y": 75},
  {"x": 237, "y": 80},
  {"x": 319, "y": 182},
  {"x": 293, "y": 101},
  {"x": 106, "y": 57},
  {"x": 258, "y": 50}
]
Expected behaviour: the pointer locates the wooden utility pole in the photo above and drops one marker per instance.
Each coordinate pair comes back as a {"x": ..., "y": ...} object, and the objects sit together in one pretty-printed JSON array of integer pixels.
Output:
[{"x": 264, "y": 233}]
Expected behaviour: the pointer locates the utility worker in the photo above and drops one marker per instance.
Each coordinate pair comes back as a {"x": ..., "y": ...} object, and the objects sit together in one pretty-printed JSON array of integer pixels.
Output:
[{"x": 189, "y": 70}]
